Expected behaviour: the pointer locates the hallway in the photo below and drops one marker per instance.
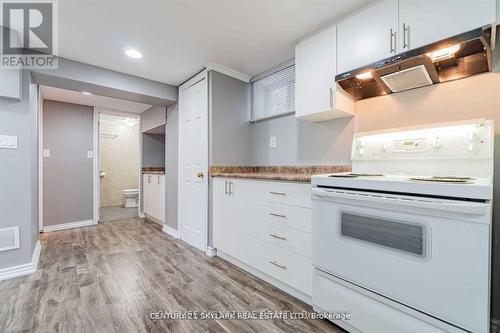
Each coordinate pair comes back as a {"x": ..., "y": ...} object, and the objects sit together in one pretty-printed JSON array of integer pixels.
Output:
[{"x": 111, "y": 277}]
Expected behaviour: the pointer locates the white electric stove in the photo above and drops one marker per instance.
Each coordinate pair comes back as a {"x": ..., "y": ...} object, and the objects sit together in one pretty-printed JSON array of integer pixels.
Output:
[{"x": 403, "y": 241}]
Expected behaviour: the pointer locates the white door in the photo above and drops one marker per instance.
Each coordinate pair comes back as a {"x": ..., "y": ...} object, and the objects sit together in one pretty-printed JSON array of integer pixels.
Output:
[
  {"x": 367, "y": 36},
  {"x": 428, "y": 21},
  {"x": 193, "y": 164}
]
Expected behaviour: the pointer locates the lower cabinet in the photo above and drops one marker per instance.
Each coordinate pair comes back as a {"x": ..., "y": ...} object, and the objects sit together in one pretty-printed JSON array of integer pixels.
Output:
[
  {"x": 267, "y": 226},
  {"x": 153, "y": 187}
]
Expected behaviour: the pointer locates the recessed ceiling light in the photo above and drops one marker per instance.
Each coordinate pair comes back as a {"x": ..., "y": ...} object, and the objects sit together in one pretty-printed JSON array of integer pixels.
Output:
[
  {"x": 133, "y": 53},
  {"x": 86, "y": 93}
]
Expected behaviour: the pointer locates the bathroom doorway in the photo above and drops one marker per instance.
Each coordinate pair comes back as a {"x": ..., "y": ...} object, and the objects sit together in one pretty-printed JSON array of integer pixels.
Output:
[{"x": 119, "y": 166}]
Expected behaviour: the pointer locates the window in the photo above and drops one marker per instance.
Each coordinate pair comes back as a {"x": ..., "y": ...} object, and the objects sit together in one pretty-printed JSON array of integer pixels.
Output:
[{"x": 274, "y": 94}]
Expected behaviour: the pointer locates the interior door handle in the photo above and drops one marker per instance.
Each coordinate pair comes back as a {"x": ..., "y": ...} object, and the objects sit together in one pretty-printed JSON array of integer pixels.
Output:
[{"x": 200, "y": 175}]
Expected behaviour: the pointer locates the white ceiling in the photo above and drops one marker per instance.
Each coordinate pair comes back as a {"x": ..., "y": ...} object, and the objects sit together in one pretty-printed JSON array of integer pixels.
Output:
[
  {"x": 178, "y": 37},
  {"x": 112, "y": 104}
]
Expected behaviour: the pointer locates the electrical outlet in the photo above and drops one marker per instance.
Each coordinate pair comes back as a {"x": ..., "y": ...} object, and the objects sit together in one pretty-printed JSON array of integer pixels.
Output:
[
  {"x": 46, "y": 153},
  {"x": 272, "y": 142}
]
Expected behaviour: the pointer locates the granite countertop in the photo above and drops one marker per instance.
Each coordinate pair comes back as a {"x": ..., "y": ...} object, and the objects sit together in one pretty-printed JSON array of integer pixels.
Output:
[
  {"x": 153, "y": 170},
  {"x": 283, "y": 173}
]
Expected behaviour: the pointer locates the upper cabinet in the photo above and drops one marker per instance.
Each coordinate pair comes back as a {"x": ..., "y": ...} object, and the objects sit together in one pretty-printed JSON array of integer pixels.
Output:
[
  {"x": 389, "y": 27},
  {"x": 368, "y": 36},
  {"x": 426, "y": 21},
  {"x": 316, "y": 94},
  {"x": 10, "y": 84}
]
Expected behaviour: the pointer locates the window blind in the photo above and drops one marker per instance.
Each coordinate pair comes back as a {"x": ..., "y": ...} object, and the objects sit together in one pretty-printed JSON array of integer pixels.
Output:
[{"x": 274, "y": 94}]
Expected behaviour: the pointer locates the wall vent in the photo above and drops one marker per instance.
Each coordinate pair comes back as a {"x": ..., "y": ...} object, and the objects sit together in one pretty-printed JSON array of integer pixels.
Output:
[{"x": 9, "y": 238}]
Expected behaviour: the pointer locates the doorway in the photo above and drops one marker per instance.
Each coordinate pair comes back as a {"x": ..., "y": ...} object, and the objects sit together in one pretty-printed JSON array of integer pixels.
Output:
[{"x": 119, "y": 166}]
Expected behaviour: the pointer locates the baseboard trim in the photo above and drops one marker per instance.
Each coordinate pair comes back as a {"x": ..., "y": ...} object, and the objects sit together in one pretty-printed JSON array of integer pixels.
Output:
[
  {"x": 70, "y": 225},
  {"x": 170, "y": 231},
  {"x": 25, "y": 269},
  {"x": 211, "y": 251},
  {"x": 263, "y": 276}
]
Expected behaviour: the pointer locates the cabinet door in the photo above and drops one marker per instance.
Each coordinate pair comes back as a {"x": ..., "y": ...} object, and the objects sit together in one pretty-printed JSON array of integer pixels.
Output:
[
  {"x": 367, "y": 36},
  {"x": 161, "y": 197},
  {"x": 220, "y": 218},
  {"x": 242, "y": 214},
  {"x": 155, "y": 196},
  {"x": 146, "y": 195},
  {"x": 427, "y": 21},
  {"x": 315, "y": 67}
]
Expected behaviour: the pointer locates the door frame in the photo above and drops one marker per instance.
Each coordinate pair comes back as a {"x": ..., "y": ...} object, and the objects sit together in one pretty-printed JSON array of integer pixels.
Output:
[
  {"x": 203, "y": 75},
  {"x": 97, "y": 178}
]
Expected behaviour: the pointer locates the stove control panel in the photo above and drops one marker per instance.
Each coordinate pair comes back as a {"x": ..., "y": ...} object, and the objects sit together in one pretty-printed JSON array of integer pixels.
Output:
[
  {"x": 410, "y": 145},
  {"x": 462, "y": 141}
]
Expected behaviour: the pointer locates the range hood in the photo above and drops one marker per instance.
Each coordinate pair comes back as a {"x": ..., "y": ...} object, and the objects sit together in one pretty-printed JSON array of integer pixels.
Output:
[{"x": 450, "y": 59}]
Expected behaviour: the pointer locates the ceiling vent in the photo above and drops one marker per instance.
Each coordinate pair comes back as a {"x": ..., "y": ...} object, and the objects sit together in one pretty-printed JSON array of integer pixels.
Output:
[{"x": 9, "y": 238}]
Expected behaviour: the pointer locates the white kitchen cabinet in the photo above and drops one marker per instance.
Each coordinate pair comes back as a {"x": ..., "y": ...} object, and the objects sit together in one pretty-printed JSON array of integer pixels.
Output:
[
  {"x": 426, "y": 21},
  {"x": 221, "y": 215},
  {"x": 317, "y": 97},
  {"x": 368, "y": 36},
  {"x": 10, "y": 84},
  {"x": 154, "y": 196},
  {"x": 266, "y": 226}
]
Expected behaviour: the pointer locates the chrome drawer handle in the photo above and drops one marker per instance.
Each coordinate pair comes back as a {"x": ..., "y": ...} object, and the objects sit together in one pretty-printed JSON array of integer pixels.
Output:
[
  {"x": 277, "y": 215},
  {"x": 278, "y": 237},
  {"x": 277, "y": 265},
  {"x": 278, "y": 193}
]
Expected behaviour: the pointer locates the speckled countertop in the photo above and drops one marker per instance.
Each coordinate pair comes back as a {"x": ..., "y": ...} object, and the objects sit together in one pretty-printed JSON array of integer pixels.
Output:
[
  {"x": 283, "y": 173},
  {"x": 153, "y": 170}
]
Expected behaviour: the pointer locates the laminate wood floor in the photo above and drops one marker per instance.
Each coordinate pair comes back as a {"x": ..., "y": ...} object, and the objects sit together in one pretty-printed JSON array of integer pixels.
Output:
[{"x": 110, "y": 277}]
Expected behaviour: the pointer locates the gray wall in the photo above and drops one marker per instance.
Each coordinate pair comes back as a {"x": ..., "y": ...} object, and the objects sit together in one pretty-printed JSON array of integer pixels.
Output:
[
  {"x": 230, "y": 133},
  {"x": 77, "y": 76},
  {"x": 19, "y": 174},
  {"x": 153, "y": 117},
  {"x": 153, "y": 150},
  {"x": 171, "y": 167},
  {"x": 300, "y": 142},
  {"x": 67, "y": 173}
]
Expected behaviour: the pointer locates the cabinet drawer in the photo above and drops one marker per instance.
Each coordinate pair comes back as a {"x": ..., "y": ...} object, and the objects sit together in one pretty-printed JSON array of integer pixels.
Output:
[
  {"x": 285, "y": 238},
  {"x": 290, "y": 268},
  {"x": 286, "y": 193},
  {"x": 288, "y": 216}
]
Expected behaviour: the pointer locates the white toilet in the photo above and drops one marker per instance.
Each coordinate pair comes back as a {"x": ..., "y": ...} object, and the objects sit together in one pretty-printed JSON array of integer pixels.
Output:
[{"x": 131, "y": 197}]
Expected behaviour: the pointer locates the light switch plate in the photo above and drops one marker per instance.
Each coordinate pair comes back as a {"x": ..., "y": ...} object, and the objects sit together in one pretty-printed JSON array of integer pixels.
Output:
[
  {"x": 8, "y": 142},
  {"x": 90, "y": 154},
  {"x": 272, "y": 142},
  {"x": 46, "y": 153}
]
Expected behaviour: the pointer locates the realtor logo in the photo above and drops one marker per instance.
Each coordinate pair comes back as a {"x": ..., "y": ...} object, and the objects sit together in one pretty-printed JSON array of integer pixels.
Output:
[{"x": 29, "y": 34}]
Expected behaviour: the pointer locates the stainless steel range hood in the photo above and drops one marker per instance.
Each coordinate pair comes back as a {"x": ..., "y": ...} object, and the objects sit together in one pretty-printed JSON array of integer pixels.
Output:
[{"x": 450, "y": 59}]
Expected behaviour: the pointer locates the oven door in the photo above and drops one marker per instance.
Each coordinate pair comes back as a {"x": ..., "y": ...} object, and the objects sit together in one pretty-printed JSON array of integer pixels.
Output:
[{"x": 428, "y": 254}]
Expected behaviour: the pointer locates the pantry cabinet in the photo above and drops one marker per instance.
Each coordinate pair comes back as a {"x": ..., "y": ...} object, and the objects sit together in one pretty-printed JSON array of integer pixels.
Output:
[
  {"x": 154, "y": 196},
  {"x": 389, "y": 27},
  {"x": 368, "y": 36},
  {"x": 426, "y": 21},
  {"x": 317, "y": 96}
]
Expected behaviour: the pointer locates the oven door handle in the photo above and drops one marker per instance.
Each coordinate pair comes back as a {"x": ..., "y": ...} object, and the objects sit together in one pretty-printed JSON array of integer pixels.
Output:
[{"x": 463, "y": 207}]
